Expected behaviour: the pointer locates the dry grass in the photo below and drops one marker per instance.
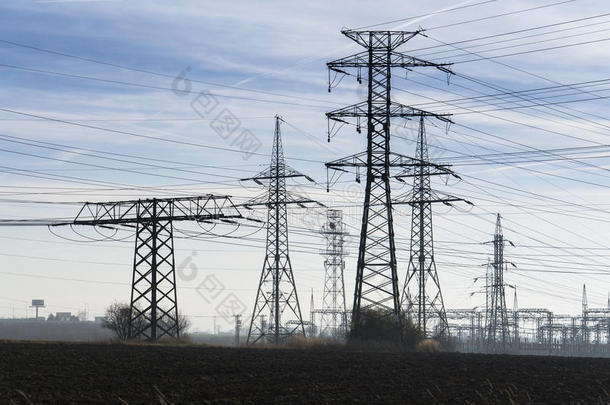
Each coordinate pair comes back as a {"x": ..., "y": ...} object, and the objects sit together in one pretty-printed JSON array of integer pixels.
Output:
[{"x": 428, "y": 346}]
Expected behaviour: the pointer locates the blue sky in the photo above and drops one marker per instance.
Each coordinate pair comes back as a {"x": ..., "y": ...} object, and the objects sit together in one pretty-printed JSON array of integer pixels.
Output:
[{"x": 271, "y": 58}]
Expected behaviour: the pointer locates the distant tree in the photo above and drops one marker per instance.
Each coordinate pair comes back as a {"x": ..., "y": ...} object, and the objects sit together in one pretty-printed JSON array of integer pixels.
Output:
[
  {"x": 117, "y": 320},
  {"x": 118, "y": 316},
  {"x": 184, "y": 323}
]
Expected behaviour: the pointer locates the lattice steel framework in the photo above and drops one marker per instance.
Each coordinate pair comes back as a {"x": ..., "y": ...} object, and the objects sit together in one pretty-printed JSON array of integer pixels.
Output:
[
  {"x": 584, "y": 324},
  {"x": 498, "y": 333},
  {"x": 333, "y": 321},
  {"x": 277, "y": 294},
  {"x": 154, "y": 303},
  {"x": 376, "y": 275},
  {"x": 422, "y": 298}
]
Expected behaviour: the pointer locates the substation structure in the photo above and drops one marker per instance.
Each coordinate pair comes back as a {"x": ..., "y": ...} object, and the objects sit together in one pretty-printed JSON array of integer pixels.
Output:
[
  {"x": 154, "y": 298},
  {"x": 535, "y": 331},
  {"x": 333, "y": 317},
  {"x": 496, "y": 329},
  {"x": 377, "y": 291},
  {"x": 277, "y": 312}
]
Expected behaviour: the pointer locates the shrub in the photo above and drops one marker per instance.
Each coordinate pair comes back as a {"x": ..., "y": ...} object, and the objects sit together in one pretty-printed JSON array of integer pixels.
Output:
[{"x": 380, "y": 326}]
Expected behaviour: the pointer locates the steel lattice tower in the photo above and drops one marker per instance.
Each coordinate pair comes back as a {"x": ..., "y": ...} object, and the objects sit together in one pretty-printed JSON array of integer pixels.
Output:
[
  {"x": 584, "y": 320},
  {"x": 334, "y": 313},
  {"x": 154, "y": 304},
  {"x": 422, "y": 296},
  {"x": 277, "y": 294},
  {"x": 376, "y": 274},
  {"x": 498, "y": 333}
]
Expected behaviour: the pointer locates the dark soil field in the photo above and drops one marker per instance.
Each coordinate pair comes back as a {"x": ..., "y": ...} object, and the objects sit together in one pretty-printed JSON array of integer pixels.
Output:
[{"x": 61, "y": 373}]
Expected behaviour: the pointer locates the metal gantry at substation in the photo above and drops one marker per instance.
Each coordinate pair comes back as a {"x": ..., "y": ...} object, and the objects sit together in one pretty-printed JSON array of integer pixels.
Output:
[
  {"x": 495, "y": 329},
  {"x": 534, "y": 331}
]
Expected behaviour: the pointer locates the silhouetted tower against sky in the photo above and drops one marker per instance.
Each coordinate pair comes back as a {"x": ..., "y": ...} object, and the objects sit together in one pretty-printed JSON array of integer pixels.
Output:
[
  {"x": 422, "y": 297},
  {"x": 277, "y": 294},
  {"x": 498, "y": 335},
  {"x": 584, "y": 321},
  {"x": 154, "y": 303},
  {"x": 376, "y": 274},
  {"x": 333, "y": 315}
]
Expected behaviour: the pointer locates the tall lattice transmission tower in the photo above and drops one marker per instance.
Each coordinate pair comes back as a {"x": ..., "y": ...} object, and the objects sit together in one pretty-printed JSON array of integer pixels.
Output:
[
  {"x": 422, "y": 296},
  {"x": 276, "y": 297},
  {"x": 334, "y": 314},
  {"x": 497, "y": 323},
  {"x": 376, "y": 274}
]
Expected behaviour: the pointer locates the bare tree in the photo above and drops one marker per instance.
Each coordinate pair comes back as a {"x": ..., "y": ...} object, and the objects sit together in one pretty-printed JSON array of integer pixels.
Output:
[
  {"x": 118, "y": 316},
  {"x": 184, "y": 323},
  {"x": 117, "y": 320}
]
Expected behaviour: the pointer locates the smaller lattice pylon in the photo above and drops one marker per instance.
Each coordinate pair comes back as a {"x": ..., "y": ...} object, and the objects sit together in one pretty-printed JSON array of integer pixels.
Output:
[
  {"x": 333, "y": 316},
  {"x": 276, "y": 295},
  {"x": 584, "y": 321},
  {"x": 422, "y": 298},
  {"x": 497, "y": 324}
]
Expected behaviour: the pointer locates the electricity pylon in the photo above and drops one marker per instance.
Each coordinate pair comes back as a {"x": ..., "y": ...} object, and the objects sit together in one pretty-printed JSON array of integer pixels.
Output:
[
  {"x": 498, "y": 332},
  {"x": 422, "y": 298},
  {"x": 154, "y": 301},
  {"x": 334, "y": 314},
  {"x": 584, "y": 321},
  {"x": 277, "y": 294},
  {"x": 376, "y": 274}
]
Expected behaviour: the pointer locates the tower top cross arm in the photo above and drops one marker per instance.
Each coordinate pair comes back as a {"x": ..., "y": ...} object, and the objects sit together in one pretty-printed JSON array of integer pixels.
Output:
[{"x": 198, "y": 208}]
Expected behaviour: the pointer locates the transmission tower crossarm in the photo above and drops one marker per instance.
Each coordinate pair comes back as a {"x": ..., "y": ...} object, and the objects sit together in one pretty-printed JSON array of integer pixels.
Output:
[
  {"x": 268, "y": 174},
  {"x": 200, "y": 208},
  {"x": 360, "y": 160},
  {"x": 416, "y": 201},
  {"x": 436, "y": 170},
  {"x": 397, "y": 59},
  {"x": 379, "y": 39},
  {"x": 153, "y": 312},
  {"x": 299, "y": 202},
  {"x": 361, "y": 110}
]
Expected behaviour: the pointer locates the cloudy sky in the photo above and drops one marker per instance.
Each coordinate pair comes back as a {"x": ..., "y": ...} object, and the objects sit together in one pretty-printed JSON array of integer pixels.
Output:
[{"x": 106, "y": 100}]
